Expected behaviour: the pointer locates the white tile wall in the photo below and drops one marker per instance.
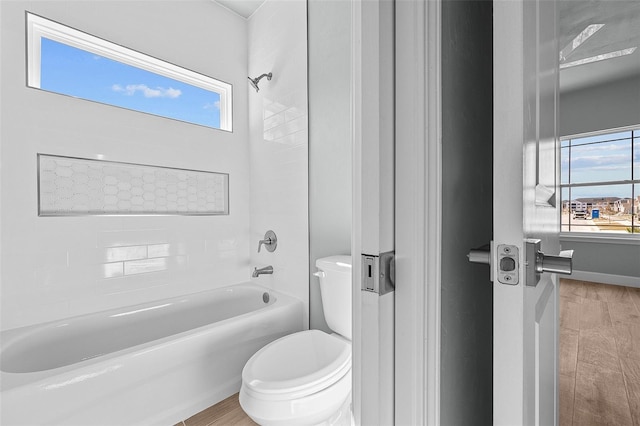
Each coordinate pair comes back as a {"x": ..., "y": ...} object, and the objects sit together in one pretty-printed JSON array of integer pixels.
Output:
[
  {"x": 76, "y": 186},
  {"x": 279, "y": 144},
  {"x": 55, "y": 267}
]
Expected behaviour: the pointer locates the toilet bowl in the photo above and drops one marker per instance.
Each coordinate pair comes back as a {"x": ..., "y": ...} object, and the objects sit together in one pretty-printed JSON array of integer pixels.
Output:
[{"x": 305, "y": 378}]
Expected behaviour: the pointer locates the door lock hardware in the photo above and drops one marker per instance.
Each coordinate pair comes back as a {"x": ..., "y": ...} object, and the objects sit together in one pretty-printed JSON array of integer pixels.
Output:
[
  {"x": 482, "y": 255},
  {"x": 508, "y": 264},
  {"x": 537, "y": 262},
  {"x": 378, "y": 273}
]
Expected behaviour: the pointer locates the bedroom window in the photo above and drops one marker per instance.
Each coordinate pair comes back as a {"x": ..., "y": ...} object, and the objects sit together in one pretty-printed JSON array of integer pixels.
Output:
[
  {"x": 600, "y": 182},
  {"x": 70, "y": 62}
]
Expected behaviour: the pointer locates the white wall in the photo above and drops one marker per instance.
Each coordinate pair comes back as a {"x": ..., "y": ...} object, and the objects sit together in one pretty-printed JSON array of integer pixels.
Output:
[
  {"x": 608, "y": 106},
  {"x": 279, "y": 144},
  {"x": 330, "y": 158},
  {"x": 52, "y": 267}
]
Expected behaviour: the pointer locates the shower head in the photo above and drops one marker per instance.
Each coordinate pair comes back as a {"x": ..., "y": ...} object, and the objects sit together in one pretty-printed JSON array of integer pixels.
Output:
[{"x": 254, "y": 81}]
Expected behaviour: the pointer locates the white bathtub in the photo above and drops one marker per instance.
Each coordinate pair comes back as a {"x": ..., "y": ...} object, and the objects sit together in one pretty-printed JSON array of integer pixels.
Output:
[{"x": 156, "y": 363}]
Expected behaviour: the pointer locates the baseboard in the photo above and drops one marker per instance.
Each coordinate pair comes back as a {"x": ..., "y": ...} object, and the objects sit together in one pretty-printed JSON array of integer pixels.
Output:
[{"x": 598, "y": 277}]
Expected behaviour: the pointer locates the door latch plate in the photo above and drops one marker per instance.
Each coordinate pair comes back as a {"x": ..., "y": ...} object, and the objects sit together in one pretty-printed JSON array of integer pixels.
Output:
[{"x": 508, "y": 264}]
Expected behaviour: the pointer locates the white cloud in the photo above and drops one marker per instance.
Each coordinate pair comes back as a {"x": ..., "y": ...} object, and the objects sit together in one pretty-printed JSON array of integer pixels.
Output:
[
  {"x": 147, "y": 92},
  {"x": 601, "y": 162},
  {"x": 215, "y": 105}
]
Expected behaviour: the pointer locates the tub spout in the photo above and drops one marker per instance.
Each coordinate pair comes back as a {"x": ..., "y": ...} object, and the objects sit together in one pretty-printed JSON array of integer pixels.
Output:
[{"x": 266, "y": 270}]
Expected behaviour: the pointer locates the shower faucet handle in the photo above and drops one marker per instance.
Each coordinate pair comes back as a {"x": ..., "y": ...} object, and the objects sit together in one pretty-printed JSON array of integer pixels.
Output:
[{"x": 270, "y": 241}]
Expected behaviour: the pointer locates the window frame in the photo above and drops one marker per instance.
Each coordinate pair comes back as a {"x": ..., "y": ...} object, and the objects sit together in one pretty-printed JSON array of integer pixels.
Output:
[
  {"x": 602, "y": 236},
  {"x": 38, "y": 27}
]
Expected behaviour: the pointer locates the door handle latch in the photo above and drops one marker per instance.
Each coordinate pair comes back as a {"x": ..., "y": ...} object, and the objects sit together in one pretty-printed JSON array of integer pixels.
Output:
[
  {"x": 537, "y": 262},
  {"x": 507, "y": 258},
  {"x": 482, "y": 255}
]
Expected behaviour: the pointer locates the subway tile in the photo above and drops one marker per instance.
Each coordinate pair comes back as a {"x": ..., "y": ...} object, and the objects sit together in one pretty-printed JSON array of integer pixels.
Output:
[
  {"x": 124, "y": 253},
  {"x": 21, "y": 315},
  {"x": 51, "y": 276},
  {"x": 132, "y": 237},
  {"x": 112, "y": 270},
  {"x": 84, "y": 256},
  {"x": 289, "y": 139},
  {"x": 119, "y": 298},
  {"x": 144, "y": 266},
  {"x": 273, "y": 121},
  {"x": 158, "y": 250},
  {"x": 293, "y": 113},
  {"x": 270, "y": 108}
]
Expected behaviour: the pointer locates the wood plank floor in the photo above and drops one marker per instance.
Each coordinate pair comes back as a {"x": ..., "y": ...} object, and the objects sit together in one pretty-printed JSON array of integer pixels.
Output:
[
  {"x": 226, "y": 412},
  {"x": 599, "y": 354},
  {"x": 599, "y": 360}
]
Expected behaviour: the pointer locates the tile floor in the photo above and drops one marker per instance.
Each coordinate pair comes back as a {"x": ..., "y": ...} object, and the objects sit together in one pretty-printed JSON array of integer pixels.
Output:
[{"x": 599, "y": 354}]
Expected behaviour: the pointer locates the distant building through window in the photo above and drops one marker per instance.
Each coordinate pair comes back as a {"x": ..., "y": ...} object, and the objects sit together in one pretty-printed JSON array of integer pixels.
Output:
[
  {"x": 600, "y": 182},
  {"x": 70, "y": 62}
]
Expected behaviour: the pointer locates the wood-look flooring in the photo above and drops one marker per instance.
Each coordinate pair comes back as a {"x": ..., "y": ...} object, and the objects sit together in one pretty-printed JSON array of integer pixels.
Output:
[
  {"x": 225, "y": 413},
  {"x": 599, "y": 360},
  {"x": 599, "y": 354}
]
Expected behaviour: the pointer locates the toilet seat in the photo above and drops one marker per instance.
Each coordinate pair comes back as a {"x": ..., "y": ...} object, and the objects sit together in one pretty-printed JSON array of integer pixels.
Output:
[{"x": 297, "y": 365}]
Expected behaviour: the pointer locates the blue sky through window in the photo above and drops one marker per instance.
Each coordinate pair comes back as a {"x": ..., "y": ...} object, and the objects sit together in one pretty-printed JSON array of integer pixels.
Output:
[
  {"x": 78, "y": 73},
  {"x": 602, "y": 158}
]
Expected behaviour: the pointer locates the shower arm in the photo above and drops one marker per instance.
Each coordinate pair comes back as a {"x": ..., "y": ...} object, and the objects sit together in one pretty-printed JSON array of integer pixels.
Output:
[{"x": 268, "y": 75}]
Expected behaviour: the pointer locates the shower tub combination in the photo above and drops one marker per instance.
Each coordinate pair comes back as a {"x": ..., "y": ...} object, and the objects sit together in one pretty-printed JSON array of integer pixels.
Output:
[{"x": 155, "y": 363}]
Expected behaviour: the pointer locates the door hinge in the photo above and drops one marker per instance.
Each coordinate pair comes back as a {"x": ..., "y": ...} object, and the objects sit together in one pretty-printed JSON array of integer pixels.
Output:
[{"x": 378, "y": 273}]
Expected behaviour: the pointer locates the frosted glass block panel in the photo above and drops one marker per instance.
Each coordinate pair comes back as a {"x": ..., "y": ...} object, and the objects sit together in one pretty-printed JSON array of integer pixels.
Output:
[{"x": 79, "y": 186}]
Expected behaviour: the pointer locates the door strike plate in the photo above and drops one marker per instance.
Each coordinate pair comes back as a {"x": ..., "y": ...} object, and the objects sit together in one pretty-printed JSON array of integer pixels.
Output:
[
  {"x": 378, "y": 273},
  {"x": 508, "y": 264}
]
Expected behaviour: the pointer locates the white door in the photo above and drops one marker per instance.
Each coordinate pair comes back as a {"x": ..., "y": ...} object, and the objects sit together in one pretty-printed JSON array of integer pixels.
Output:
[
  {"x": 525, "y": 344},
  {"x": 525, "y": 340}
]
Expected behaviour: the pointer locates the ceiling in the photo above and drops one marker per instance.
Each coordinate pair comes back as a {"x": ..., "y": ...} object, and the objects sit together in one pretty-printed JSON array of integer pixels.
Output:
[
  {"x": 621, "y": 30},
  {"x": 244, "y": 8},
  {"x": 621, "y": 19}
]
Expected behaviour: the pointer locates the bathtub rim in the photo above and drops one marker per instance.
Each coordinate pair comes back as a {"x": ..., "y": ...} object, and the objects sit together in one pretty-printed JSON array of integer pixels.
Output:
[{"x": 10, "y": 381}]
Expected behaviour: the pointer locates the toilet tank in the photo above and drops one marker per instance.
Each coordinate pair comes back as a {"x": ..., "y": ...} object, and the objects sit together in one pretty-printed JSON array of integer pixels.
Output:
[{"x": 334, "y": 273}]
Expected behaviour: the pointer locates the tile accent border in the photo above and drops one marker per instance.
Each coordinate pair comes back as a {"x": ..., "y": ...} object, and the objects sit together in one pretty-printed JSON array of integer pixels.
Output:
[{"x": 71, "y": 186}]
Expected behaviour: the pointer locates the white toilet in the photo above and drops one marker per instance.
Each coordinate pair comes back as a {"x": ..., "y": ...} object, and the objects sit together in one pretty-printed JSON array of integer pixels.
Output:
[{"x": 305, "y": 378}]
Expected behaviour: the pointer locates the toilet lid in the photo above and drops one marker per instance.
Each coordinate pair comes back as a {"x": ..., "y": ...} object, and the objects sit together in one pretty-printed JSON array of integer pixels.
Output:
[{"x": 298, "y": 364}]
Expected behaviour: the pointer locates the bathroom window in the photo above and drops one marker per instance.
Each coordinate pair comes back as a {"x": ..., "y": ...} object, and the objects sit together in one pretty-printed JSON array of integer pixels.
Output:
[
  {"x": 600, "y": 183},
  {"x": 70, "y": 62}
]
